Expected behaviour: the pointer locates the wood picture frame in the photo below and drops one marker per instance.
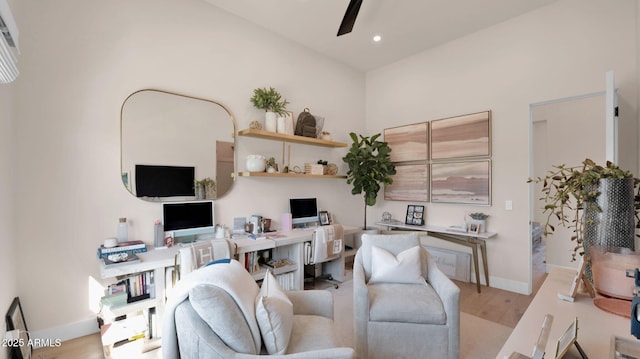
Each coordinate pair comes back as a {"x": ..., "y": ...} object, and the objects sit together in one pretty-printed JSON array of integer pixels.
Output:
[
  {"x": 20, "y": 345},
  {"x": 323, "y": 218},
  {"x": 415, "y": 215},
  {"x": 463, "y": 182},
  {"x": 463, "y": 136},
  {"x": 409, "y": 142},
  {"x": 410, "y": 183}
]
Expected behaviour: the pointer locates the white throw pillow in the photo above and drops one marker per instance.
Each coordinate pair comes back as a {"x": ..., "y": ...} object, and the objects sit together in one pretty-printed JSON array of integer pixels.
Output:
[
  {"x": 274, "y": 313},
  {"x": 403, "y": 268}
]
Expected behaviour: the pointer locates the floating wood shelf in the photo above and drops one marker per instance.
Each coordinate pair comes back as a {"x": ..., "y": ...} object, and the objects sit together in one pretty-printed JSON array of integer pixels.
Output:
[
  {"x": 250, "y": 132},
  {"x": 288, "y": 175}
]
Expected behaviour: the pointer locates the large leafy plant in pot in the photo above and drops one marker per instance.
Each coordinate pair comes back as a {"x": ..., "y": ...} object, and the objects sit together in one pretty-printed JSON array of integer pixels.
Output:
[
  {"x": 596, "y": 202},
  {"x": 370, "y": 168}
]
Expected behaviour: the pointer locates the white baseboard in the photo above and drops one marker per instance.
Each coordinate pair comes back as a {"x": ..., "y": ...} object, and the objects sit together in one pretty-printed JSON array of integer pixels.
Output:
[{"x": 64, "y": 332}]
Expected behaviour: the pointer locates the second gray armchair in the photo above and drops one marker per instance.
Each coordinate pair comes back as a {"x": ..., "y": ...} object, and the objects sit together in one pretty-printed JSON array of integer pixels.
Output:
[{"x": 399, "y": 316}]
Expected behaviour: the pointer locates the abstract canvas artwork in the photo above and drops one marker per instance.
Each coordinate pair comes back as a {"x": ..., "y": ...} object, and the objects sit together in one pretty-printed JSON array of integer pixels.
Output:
[
  {"x": 467, "y": 182},
  {"x": 408, "y": 143},
  {"x": 461, "y": 136},
  {"x": 410, "y": 183}
]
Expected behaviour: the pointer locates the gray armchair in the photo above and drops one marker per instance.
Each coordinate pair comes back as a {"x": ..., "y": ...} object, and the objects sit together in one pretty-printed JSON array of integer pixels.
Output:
[
  {"x": 401, "y": 320},
  {"x": 211, "y": 314}
]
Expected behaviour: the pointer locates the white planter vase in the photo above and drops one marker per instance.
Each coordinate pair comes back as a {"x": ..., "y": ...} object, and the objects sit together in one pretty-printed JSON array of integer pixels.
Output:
[
  {"x": 282, "y": 127},
  {"x": 270, "y": 121},
  {"x": 255, "y": 163}
]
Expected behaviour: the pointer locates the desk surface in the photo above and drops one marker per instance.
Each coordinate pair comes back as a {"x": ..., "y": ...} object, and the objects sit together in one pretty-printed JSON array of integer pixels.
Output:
[
  {"x": 595, "y": 327},
  {"x": 165, "y": 257},
  {"x": 437, "y": 229}
]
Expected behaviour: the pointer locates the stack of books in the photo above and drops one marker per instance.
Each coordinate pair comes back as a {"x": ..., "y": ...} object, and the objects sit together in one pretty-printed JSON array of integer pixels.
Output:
[{"x": 130, "y": 247}]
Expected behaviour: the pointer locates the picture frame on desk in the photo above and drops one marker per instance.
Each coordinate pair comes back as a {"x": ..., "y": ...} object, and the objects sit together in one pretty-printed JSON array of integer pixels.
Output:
[
  {"x": 19, "y": 344},
  {"x": 415, "y": 215},
  {"x": 474, "y": 228},
  {"x": 323, "y": 218}
]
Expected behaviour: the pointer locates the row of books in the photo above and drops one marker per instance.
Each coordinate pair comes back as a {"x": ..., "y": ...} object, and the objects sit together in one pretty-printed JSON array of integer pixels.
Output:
[
  {"x": 131, "y": 247},
  {"x": 252, "y": 261},
  {"x": 137, "y": 286}
]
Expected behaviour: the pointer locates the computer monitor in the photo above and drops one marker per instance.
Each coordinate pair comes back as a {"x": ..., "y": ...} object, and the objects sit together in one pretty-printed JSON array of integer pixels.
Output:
[
  {"x": 304, "y": 211},
  {"x": 187, "y": 220}
]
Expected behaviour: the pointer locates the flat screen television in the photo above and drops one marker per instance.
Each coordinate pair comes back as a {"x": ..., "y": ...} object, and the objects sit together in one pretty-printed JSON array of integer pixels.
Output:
[
  {"x": 164, "y": 181},
  {"x": 303, "y": 210},
  {"x": 188, "y": 219}
]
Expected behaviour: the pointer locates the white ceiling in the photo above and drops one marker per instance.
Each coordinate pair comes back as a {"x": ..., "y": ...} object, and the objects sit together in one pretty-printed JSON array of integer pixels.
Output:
[{"x": 407, "y": 26}]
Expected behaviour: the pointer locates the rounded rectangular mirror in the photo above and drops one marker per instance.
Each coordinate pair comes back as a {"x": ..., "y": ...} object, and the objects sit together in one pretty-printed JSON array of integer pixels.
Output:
[{"x": 169, "y": 140}]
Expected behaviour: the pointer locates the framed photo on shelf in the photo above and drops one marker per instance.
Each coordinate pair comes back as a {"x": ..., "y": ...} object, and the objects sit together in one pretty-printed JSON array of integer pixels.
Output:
[
  {"x": 323, "y": 217},
  {"x": 474, "y": 228},
  {"x": 20, "y": 346},
  {"x": 415, "y": 215}
]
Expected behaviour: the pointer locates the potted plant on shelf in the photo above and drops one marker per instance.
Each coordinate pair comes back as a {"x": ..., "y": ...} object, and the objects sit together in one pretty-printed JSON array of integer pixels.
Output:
[
  {"x": 370, "y": 168},
  {"x": 272, "y": 102},
  {"x": 205, "y": 188},
  {"x": 596, "y": 202}
]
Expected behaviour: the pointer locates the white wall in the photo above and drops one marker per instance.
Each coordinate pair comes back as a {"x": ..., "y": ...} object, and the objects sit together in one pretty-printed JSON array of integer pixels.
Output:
[
  {"x": 80, "y": 61},
  {"x": 77, "y": 71},
  {"x": 558, "y": 51},
  {"x": 8, "y": 286}
]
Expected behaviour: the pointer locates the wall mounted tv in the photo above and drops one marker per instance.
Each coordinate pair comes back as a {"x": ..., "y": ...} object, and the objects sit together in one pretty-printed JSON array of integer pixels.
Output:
[{"x": 164, "y": 181}]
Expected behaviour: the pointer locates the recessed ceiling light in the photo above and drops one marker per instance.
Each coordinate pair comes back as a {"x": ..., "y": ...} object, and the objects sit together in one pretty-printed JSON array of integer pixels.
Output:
[{"x": 377, "y": 38}]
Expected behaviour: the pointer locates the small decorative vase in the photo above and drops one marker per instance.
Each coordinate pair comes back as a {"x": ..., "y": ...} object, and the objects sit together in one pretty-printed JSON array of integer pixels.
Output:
[
  {"x": 282, "y": 127},
  {"x": 210, "y": 192},
  {"x": 255, "y": 163},
  {"x": 200, "y": 193},
  {"x": 271, "y": 121},
  {"x": 271, "y": 170}
]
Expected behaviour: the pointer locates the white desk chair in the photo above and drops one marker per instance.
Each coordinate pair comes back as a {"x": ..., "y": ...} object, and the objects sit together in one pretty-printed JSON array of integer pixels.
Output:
[
  {"x": 326, "y": 248},
  {"x": 198, "y": 254}
]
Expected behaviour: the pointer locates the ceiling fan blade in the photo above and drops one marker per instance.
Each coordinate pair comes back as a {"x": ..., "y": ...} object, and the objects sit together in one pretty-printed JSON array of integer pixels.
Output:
[{"x": 349, "y": 17}]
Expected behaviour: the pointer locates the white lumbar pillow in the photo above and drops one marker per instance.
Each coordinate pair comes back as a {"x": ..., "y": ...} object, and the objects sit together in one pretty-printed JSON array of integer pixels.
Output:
[
  {"x": 403, "y": 268},
  {"x": 274, "y": 313}
]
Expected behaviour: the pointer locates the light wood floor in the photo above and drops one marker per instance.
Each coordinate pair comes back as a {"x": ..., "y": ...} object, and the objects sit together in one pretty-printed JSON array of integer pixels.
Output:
[{"x": 492, "y": 304}]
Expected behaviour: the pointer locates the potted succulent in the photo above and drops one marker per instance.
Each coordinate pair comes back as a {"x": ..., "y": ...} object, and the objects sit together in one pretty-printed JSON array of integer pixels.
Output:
[
  {"x": 596, "y": 202},
  {"x": 272, "y": 102},
  {"x": 370, "y": 168},
  {"x": 272, "y": 166},
  {"x": 480, "y": 219}
]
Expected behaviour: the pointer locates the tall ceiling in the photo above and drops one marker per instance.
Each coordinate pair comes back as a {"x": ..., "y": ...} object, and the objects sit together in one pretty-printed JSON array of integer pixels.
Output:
[{"x": 407, "y": 27}]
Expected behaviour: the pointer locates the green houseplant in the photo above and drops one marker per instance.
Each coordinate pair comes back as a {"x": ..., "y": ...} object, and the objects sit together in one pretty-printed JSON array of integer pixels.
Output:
[
  {"x": 269, "y": 100},
  {"x": 369, "y": 167},
  {"x": 205, "y": 188},
  {"x": 571, "y": 196}
]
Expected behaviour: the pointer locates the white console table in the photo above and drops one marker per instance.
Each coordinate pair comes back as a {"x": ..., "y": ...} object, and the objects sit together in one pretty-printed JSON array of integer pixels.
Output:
[
  {"x": 475, "y": 241},
  {"x": 595, "y": 327}
]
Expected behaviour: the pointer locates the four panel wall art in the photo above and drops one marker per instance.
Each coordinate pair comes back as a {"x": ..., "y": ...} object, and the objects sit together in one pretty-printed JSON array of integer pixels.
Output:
[{"x": 445, "y": 161}]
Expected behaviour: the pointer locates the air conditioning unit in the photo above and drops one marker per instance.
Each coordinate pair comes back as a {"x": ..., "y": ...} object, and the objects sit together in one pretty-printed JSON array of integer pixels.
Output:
[{"x": 8, "y": 44}]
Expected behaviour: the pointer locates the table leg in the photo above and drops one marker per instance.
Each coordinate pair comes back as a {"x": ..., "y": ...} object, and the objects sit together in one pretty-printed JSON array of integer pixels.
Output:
[
  {"x": 483, "y": 251},
  {"x": 474, "y": 251}
]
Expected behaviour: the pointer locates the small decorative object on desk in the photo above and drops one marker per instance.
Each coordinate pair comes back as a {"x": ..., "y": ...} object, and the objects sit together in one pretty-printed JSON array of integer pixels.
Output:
[
  {"x": 323, "y": 216},
  {"x": 480, "y": 219},
  {"x": 415, "y": 215},
  {"x": 386, "y": 216},
  {"x": 120, "y": 258}
]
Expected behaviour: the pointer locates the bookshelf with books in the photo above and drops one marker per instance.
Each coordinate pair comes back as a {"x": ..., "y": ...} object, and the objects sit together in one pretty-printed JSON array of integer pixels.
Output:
[{"x": 133, "y": 289}]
